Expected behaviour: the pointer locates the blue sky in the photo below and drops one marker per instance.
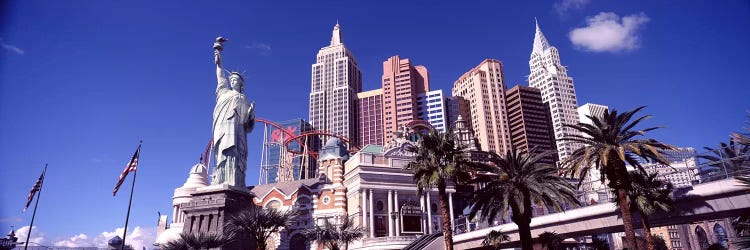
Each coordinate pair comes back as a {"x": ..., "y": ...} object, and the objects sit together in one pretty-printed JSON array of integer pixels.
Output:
[{"x": 82, "y": 82}]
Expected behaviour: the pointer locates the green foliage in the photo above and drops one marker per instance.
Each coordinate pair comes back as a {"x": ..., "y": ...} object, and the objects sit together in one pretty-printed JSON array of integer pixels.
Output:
[
  {"x": 494, "y": 239},
  {"x": 716, "y": 246},
  {"x": 599, "y": 244},
  {"x": 510, "y": 180},
  {"x": 659, "y": 243},
  {"x": 742, "y": 228},
  {"x": 259, "y": 223},
  {"x": 731, "y": 159},
  {"x": 550, "y": 240},
  {"x": 609, "y": 144},
  {"x": 512, "y": 183},
  {"x": 648, "y": 194},
  {"x": 333, "y": 235},
  {"x": 439, "y": 158},
  {"x": 196, "y": 241}
]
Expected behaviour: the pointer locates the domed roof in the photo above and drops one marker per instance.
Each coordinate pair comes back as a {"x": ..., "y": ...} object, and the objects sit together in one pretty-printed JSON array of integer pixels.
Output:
[
  {"x": 333, "y": 142},
  {"x": 198, "y": 177},
  {"x": 115, "y": 241}
]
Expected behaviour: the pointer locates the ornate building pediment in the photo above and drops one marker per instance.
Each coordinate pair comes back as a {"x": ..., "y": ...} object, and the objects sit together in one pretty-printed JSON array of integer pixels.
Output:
[{"x": 400, "y": 151}]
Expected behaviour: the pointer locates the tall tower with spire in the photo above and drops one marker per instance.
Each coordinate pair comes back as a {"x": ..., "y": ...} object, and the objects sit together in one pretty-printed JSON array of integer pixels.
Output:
[
  {"x": 336, "y": 80},
  {"x": 558, "y": 91}
]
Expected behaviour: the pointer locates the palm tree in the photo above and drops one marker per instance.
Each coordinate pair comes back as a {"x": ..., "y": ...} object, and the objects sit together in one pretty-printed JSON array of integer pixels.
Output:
[
  {"x": 727, "y": 160},
  {"x": 599, "y": 244},
  {"x": 515, "y": 182},
  {"x": 196, "y": 241},
  {"x": 742, "y": 224},
  {"x": 716, "y": 246},
  {"x": 439, "y": 159},
  {"x": 334, "y": 235},
  {"x": 647, "y": 196},
  {"x": 494, "y": 239},
  {"x": 550, "y": 240},
  {"x": 608, "y": 144},
  {"x": 260, "y": 223}
]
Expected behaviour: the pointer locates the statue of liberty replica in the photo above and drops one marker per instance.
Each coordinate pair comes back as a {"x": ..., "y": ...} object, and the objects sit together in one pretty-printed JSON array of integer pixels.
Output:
[
  {"x": 208, "y": 208},
  {"x": 234, "y": 118}
]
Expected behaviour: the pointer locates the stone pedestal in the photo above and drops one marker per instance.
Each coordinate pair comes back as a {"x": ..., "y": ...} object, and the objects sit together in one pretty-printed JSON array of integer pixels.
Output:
[{"x": 210, "y": 208}]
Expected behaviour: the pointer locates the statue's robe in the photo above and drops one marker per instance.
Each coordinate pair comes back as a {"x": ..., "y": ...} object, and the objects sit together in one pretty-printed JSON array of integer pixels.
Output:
[{"x": 233, "y": 119}]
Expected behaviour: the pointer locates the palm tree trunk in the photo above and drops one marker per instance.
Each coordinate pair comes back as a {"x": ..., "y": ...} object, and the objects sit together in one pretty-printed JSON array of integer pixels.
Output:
[
  {"x": 445, "y": 217},
  {"x": 524, "y": 232},
  {"x": 260, "y": 243},
  {"x": 647, "y": 230},
  {"x": 627, "y": 218},
  {"x": 523, "y": 220}
]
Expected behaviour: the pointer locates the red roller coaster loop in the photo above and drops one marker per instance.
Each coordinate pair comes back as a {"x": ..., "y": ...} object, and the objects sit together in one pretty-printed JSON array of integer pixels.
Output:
[
  {"x": 289, "y": 135},
  {"x": 287, "y": 141}
]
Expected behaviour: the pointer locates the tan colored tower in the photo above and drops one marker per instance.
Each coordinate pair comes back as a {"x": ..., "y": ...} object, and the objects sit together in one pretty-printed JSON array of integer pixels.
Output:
[
  {"x": 402, "y": 82},
  {"x": 336, "y": 80},
  {"x": 483, "y": 88}
]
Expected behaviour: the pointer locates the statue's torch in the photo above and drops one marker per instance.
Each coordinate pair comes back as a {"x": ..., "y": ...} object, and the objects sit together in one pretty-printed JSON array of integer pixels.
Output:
[{"x": 218, "y": 47}]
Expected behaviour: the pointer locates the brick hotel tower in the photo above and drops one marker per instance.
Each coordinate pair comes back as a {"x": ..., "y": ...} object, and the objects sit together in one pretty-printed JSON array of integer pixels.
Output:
[
  {"x": 370, "y": 120},
  {"x": 558, "y": 92},
  {"x": 336, "y": 80},
  {"x": 402, "y": 83},
  {"x": 529, "y": 122},
  {"x": 483, "y": 88}
]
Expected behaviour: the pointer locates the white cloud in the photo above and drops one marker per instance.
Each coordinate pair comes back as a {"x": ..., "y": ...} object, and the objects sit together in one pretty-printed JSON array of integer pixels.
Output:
[
  {"x": 80, "y": 240},
  {"x": 138, "y": 237},
  {"x": 607, "y": 32},
  {"x": 10, "y": 47},
  {"x": 263, "y": 49},
  {"x": 36, "y": 235},
  {"x": 562, "y": 7}
]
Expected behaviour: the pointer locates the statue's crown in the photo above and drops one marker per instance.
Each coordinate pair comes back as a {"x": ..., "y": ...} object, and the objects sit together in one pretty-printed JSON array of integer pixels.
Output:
[{"x": 237, "y": 74}]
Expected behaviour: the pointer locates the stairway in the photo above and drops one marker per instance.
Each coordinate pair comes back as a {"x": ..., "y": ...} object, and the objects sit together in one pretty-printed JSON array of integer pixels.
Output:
[{"x": 423, "y": 241}]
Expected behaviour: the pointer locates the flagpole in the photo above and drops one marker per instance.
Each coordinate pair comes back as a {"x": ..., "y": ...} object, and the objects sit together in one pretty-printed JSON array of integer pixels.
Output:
[
  {"x": 38, "y": 194},
  {"x": 127, "y": 217}
]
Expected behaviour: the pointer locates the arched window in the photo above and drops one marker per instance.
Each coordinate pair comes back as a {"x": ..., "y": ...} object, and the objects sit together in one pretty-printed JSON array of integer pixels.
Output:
[
  {"x": 700, "y": 234},
  {"x": 302, "y": 203},
  {"x": 721, "y": 235},
  {"x": 273, "y": 204}
]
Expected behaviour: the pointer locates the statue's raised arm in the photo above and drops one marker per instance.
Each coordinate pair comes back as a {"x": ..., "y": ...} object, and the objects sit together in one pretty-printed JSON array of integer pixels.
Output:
[{"x": 221, "y": 79}]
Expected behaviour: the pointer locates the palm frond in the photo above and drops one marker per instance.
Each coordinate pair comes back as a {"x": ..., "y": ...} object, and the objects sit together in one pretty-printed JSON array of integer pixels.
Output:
[{"x": 494, "y": 238}]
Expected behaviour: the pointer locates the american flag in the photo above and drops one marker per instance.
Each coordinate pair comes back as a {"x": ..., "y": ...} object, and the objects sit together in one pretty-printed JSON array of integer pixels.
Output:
[
  {"x": 131, "y": 167},
  {"x": 37, "y": 186}
]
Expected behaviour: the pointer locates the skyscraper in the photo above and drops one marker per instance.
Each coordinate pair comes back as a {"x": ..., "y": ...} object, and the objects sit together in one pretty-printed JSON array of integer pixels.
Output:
[
  {"x": 370, "y": 110},
  {"x": 336, "y": 80},
  {"x": 550, "y": 76},
  {"x": 529, "y": 122},
  {"x": 431, "y": 108},
  {"x": 590, "y": 109},
  {"x": 402, "y": 82},
  {"x": 592, "y": 184},
  {"x": 483, "y": 88},
  {"x": 456, "y": 106}
]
